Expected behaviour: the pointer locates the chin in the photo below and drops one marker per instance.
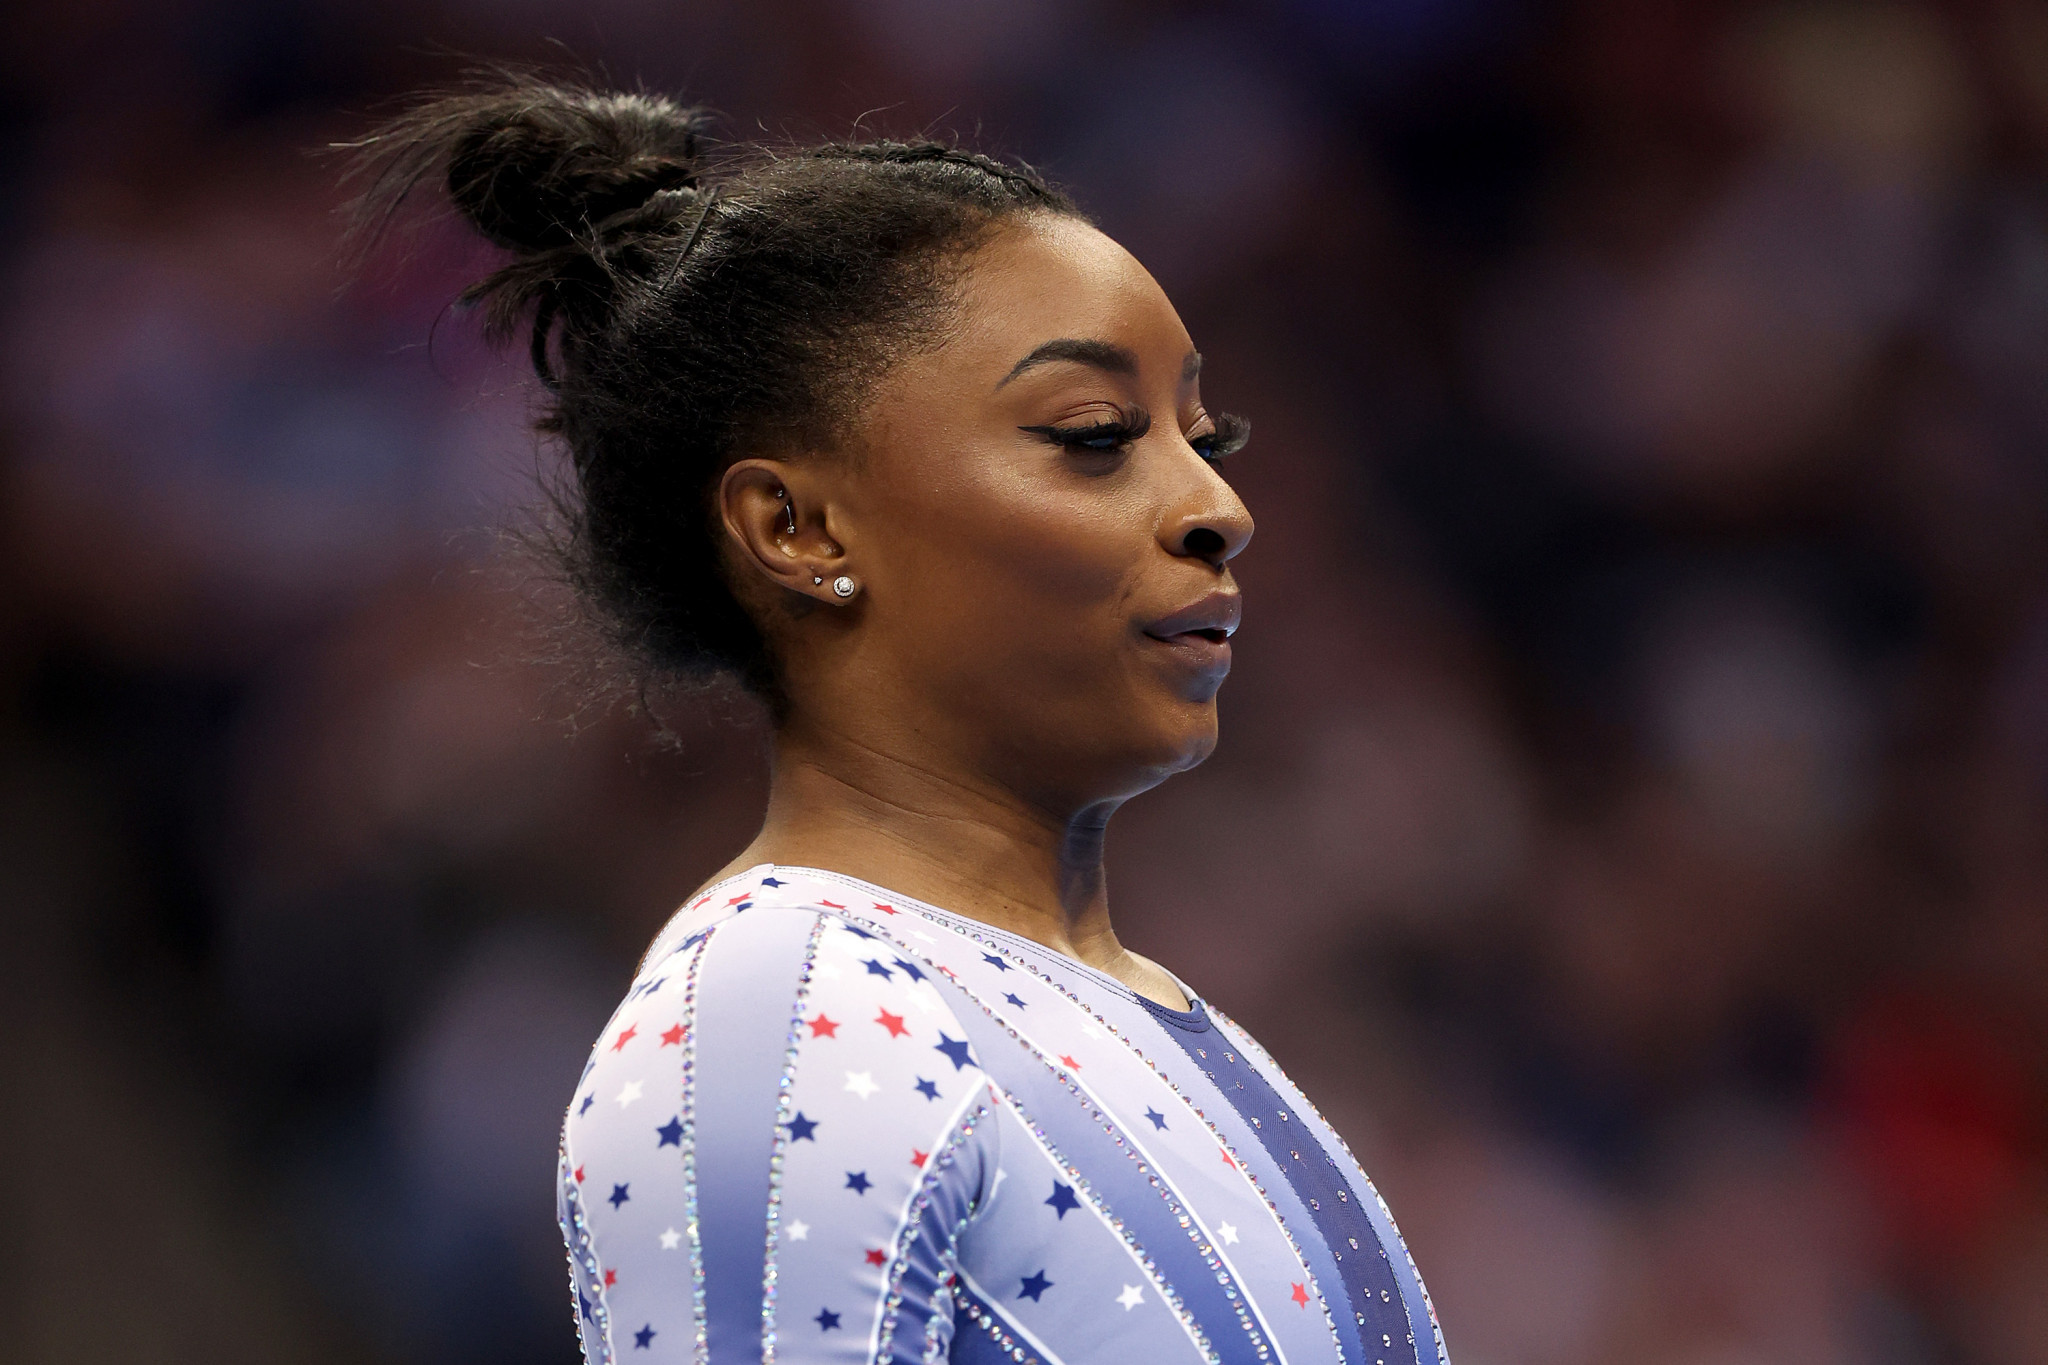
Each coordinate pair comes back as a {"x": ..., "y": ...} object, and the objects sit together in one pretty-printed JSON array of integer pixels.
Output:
[{"x": 1186, "y": 738}]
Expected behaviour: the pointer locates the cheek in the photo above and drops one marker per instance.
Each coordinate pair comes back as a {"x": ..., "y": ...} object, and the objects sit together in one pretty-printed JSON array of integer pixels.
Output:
[{"x": 1037, "y": 581}]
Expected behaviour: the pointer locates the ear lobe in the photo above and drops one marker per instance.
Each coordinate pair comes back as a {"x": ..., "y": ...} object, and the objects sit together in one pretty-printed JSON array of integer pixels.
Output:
[{"x": 759, "y": 501}]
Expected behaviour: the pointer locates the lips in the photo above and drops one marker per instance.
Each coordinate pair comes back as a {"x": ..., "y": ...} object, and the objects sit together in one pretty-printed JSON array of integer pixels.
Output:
[
  {"x": 1203, "y": 629},
  {"x": 1213, "y": 619}
]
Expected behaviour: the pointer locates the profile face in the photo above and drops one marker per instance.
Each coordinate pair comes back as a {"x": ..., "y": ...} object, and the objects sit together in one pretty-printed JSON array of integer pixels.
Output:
[{"x": 1044, "y": 535}]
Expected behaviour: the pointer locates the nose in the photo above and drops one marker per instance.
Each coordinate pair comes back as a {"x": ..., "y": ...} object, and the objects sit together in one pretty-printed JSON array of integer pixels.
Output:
[{"x": 1213, "y": 526}]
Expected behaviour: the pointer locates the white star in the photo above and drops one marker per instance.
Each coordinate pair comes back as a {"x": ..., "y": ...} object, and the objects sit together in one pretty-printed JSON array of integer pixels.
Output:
[
  {"x": 827, "y": 970},
  {"x": 861, "y": 1083},
  {"x": 1090, "y": 1031},
  {"x": 924, "y": 1002},
  {"x": 1227, "y": 1233},
  {"x": 799, "y": 1230},
  {"x": 922, "y": 936},
  {"x": 1131, "y": 1297},
  {"x": 629, "y": 1092},
  {"x": 671, "y": 1239}
]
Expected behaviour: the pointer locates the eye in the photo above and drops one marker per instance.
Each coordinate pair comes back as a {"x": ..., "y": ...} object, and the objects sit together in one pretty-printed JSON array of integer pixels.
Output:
[
  {"x": 1226, "y": 437},
  {"x": 1098, "y": 438}
]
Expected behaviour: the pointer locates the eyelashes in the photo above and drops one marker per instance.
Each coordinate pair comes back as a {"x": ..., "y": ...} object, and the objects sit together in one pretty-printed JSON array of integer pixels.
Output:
[
  {"x": 1113, "y": 435},
  {"x": 1098, "y": 438},
  {"x": 1228, "y": 438}
]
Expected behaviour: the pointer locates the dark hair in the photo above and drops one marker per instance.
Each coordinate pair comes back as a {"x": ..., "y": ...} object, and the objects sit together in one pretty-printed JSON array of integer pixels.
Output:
[{"x": 687, "y": 306}]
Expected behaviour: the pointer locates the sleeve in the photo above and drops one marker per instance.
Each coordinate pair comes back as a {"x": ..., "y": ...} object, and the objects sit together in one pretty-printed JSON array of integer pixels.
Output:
[{"x": 777, "y": 1148}]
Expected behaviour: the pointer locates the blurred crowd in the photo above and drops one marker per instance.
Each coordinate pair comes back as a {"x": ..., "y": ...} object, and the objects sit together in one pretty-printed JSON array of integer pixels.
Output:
[{"x": 1631, "y": 822}]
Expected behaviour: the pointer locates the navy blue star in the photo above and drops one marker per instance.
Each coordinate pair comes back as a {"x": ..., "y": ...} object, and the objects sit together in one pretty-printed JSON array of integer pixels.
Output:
[
  {"x": 856, "y": 930},
  {"x": 992, "y": 960},
  {"x": 644, "y": 1338},
  {"x": 926, "y": 1088},
  {"x": 955, "y": 1050},
  {"x": 619, "y": 1195},
  {"x": 584, "y": 1108},
  {"x": 877, "y": 969},
  {"x": 671, "y": 1133},
  {"x": 801, "y": 1128},
  {"x": 1158, "y": 1119},
  {"x": 1013, "y": 1000},
  {"x": 1063, "y": 1198},
  {"x": 743, "y": 905},
  {"x": 910, "y": 969},
  {"x": 826, "y": 1319},
  {"x": 1034, "y": 1285},
  {"x": 695, "y": 939},
  {"x": 858, "y": 1181},
  {"x": 583, "y": 1306},
  {"x": 770, "y": 881}
]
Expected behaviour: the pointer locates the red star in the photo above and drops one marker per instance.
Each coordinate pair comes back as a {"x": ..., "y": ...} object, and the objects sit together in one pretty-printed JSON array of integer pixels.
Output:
[
  {"x": 611, "y": 1277},
  {"x": 672, "y": 1035},
  {"x": 700, "y": 902},
  {"x": 821, "y": 1027},
  {"x": 832, "y": 905},
  {"x": 885, "y": 909},
  {"x": 1070, "y": 1063},
  {"x": 918, "y": 1158},
  {"x": 1300, "y": 1295},
  {"x": 737, "y": 899},
  {"x": 1227, "y": 1161},
  {"x": 876, "y": 1258},
  {"x": 577, "y": 1174},
  {"x": 892, "y": 1022},
  {"x": 632, "y": 1030}
]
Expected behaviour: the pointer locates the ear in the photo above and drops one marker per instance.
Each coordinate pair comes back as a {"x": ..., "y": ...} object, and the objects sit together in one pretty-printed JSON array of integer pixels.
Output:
[{"x": 759, "y": 500}]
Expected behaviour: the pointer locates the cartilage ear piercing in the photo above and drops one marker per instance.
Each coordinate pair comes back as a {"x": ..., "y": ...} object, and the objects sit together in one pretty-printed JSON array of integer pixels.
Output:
[
  {"x": 788, "y": 510},
  {"x": 845, "y": 586}
]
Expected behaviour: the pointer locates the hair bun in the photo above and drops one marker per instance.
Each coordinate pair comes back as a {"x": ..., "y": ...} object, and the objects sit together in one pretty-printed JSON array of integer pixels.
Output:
[{"x": 539, "y": 166}]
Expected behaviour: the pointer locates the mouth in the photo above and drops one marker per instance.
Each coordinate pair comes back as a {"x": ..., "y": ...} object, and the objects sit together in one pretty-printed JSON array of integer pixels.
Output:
[{"x": 1200, "y": 632}]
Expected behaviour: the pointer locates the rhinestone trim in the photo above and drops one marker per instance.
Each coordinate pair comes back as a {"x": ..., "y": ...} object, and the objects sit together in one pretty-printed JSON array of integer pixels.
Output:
[
  {"x": 784, "y": 1086},
  {"x": 576, "y": 1232},
  {"x": 689, "y": 1117},
  {"x": 899, "y": 1256}
]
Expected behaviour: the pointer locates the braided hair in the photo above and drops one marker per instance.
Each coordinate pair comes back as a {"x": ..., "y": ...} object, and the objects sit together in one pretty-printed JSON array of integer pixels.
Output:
[{"x": 685, "y": 307}]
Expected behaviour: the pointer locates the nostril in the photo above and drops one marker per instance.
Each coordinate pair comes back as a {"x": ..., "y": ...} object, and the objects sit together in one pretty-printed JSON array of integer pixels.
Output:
[{"x": 1203, "y": 543}]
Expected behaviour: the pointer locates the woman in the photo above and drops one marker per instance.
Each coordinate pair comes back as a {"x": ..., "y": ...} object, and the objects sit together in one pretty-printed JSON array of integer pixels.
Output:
[{"x": 891, "y": 433}]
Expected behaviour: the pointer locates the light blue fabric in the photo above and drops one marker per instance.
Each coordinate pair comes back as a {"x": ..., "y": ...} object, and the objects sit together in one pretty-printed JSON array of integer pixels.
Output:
[{"x": 833, "y": 1124}]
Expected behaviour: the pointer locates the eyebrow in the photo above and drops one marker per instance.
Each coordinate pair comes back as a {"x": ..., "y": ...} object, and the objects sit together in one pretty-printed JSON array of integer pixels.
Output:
[{"x": 1103, "y": 355}]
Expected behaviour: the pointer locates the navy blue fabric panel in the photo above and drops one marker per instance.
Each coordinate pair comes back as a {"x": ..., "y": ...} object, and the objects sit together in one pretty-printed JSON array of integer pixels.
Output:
[
  {"x": 746, "y": 998},
  {"x": 1377, "y": 1303},
  {"x": 979, "y": 1333},
  {"x": 1232, "y": 1127}
]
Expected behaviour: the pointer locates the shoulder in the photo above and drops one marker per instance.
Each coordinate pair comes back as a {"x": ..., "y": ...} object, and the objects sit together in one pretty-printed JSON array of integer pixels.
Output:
[{"x": 766, "y": 937}]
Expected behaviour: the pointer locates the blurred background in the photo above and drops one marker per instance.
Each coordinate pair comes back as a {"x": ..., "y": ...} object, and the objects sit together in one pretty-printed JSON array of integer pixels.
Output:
[{"x": 1632, "y": 817}]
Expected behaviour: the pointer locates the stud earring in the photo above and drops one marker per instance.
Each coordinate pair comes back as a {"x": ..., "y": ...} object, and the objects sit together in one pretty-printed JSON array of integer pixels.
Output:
[
  {"x": 845, "y": 586},
  {"x": 817, "y": 578}
]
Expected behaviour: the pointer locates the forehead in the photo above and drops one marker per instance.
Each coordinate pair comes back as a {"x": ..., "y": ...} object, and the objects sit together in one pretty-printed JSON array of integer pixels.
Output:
[{"x": 1050, "y": 277}]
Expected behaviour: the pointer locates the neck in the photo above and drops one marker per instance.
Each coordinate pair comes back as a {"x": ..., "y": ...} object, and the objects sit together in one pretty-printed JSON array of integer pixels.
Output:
[{"x": 951, "y": 838}]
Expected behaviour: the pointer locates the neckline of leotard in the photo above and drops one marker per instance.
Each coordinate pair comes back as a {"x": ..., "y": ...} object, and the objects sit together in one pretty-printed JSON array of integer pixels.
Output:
[{"x": 1192, "y": 1020}]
